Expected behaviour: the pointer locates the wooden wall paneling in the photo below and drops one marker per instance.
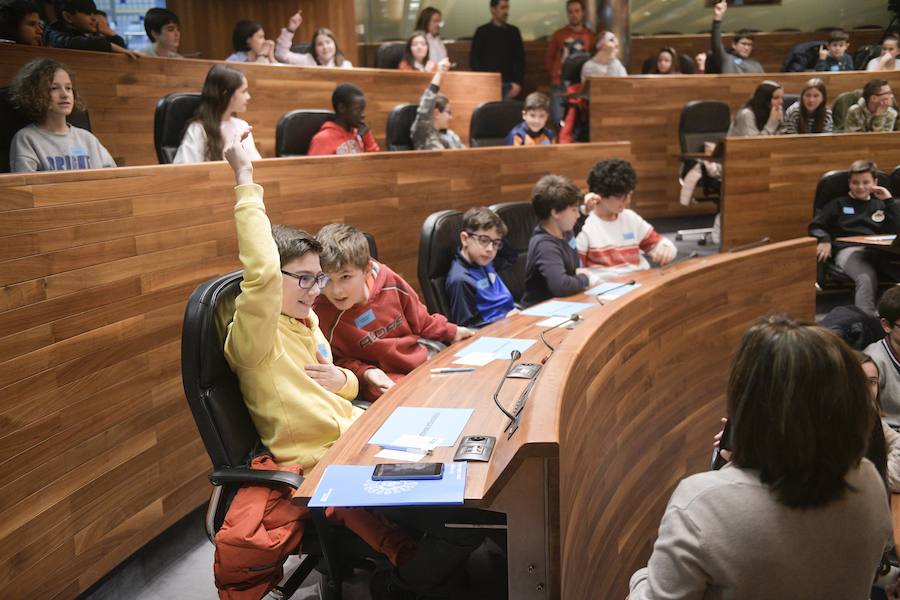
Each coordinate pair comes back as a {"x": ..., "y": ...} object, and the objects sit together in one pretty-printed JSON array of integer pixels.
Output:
[
  {"x": 206, "y": 25},
  {"x": 100, "y": 452},
  {"x": 646, "y": 109},
  {"x": 770, "y": 182},
  {"x": 122, "y": 95}
]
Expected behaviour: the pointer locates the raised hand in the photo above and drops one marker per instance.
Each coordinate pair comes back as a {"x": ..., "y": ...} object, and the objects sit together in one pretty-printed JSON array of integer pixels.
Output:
[
  {"x": 823, "y": 53},
  {"x": 239, "y": 159},
  {"x": 295, "y": 21},
  {"x": 719, "y": 10}
]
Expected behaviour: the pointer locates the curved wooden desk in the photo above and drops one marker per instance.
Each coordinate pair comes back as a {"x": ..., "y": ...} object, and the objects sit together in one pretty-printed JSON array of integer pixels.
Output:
[{"x": 625, "y": 408}]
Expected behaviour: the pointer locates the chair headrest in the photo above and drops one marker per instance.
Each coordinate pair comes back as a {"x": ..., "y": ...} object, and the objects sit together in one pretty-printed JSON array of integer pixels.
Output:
[
  {"x": 437, "y": 246},
  {"x": 295, "y": 130},
  {"x": 173, "y": 113}
]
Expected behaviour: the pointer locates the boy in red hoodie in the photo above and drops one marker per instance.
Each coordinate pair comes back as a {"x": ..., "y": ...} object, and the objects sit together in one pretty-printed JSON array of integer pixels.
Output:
[
  {"x": 371, "y": 317},
  {"x": 348, "y": 133}
]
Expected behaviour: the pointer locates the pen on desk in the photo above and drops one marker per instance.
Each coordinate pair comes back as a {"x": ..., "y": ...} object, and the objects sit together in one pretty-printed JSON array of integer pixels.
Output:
[
  {"x": 406, "y": 449},
  {"x": 453, "y": 370}
]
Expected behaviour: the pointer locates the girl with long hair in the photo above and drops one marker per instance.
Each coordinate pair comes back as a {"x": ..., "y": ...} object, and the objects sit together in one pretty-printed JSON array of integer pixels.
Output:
[
  {"x": 416, "y": 54},
  {"x": 811, "y": 113},
  {"x": 666, "y": 62},
  {"x": 225, "y": 94},
  {"x": 763, "y": 112},
  {"x": 325, "y": 50}
]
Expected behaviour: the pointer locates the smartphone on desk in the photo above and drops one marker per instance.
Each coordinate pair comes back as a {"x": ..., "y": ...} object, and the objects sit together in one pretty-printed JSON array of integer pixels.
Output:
[{"x": 392, "y": 471}]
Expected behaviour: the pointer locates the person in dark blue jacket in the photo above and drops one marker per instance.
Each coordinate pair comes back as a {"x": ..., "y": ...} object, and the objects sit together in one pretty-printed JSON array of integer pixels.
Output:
[{"x": 476, "y": 293}]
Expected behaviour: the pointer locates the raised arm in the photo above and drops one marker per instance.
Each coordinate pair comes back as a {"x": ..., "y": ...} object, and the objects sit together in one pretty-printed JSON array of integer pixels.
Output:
[
  {"x": 286, "y": 39},
  {"x": 716, "y": 48}
]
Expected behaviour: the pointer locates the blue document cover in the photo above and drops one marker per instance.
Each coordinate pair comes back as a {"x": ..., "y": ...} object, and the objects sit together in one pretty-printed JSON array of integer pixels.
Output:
[
  {"x": 499, "y": 347},
  {"x": 352, "y": 485},
  {"x": 557, "y": 308},
  {"x": 612, "y": 290},
  {"x": 444, "y": 423}
]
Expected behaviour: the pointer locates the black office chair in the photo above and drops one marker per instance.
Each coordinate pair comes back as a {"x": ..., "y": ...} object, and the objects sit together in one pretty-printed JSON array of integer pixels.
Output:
[
  {"x": 790, "y": 100},
  {"x": 399, "y": 124},
  {"x": 389, "y": 55},
  {"x": 571, "y": 69},
  {"x": 295, "y": 130},
  {"x": 685, "y": 65},
  {"x": 895, "y": 181},
  {"x": 231, "y": 439},
  {"x": 173, "y": 113},
  {"x": 301, "y": 48},
  {"x": 492, "y": 121},
  {"x": 864, "y": 54},
  {"x": 834, "y": 184},
  {"x": 12, "y": 120},
  {"x": 701, "y": 121},
  {"x": 437, "y": 245},
  {"x": 520, "y": 221}
]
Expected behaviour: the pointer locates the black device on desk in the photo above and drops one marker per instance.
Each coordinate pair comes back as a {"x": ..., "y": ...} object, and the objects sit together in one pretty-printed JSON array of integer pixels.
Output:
[
  {"x": 724, "y": 444},
  {"x": 391, "y": 471}
]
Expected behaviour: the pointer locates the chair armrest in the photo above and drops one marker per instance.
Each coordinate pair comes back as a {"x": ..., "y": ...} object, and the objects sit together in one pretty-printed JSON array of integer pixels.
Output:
[
  {"x": 245, "y": 476},
  {"x": 363, "y": 404},
  {"x": 431, "y": 345}
]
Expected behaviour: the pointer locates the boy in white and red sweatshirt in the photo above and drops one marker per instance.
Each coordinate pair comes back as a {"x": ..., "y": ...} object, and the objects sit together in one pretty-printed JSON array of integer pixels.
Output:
[
  {"x": 348, "y": 133},
  {"x": 371, "y": 316},
  {"x": 614, "y": 239}
]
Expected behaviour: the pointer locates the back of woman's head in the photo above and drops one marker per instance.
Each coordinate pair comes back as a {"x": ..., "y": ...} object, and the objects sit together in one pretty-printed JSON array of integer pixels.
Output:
[
  {"x": 819, "y": 115},
  {"x": 243, "y": 29},
  {"x": 338, "y": 55},
  {"x": 30, "y": 89},
  {"x": 222, "y": 81},
  {"x": 799, "y": 410},
  {"x": 761, "y": 102}
]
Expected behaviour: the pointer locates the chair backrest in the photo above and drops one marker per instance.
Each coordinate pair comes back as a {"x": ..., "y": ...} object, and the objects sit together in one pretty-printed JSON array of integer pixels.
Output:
[
  {"x": 702, "y": 121},
  {"x": 895, "y": 181},
  {"x": 789, "y": 100},
  {"x": 863, "y": 55},
  {"x": 173, "y": 113},
  {"x": 373, "y": 247},
  {"x": 12, "y": 120},
  {"x": 211, "y": 388},
  {"x": 841, "y": 107},
  {"x": 520, "y": 221},
  {"x": 571, "y": 69},
  {"x": 835, "y": 184},
  {"x": 399, "y": 123},
  {"x": 300, "y": 48},
  {"x": 437, "y": 245},
  {"x": 492, "y": 121},
  {"x": 389, "y": 55},
  {"x": 295, "y": 130}
]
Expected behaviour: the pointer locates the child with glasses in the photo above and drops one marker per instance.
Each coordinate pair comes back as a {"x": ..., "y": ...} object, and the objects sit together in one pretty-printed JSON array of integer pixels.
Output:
[
  {"x": 371, "y": 316},
  {"x": 476, "y": 293}
]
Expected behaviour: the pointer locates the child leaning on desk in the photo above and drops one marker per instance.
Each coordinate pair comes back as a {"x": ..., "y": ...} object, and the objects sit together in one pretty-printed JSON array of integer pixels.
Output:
[
  {"x": 867, "y": 209},
  {"x": 371, "y": 316}
]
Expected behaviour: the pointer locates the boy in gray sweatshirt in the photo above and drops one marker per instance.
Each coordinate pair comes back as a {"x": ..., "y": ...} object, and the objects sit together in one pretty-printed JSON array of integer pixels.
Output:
[{"x": 886, "y": 354}]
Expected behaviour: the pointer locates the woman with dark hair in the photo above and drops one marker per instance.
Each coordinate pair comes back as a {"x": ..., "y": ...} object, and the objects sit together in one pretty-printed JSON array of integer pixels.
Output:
[
  {"x": 799, "y": 512},
  {"x": 811, "y": 113},
  {"x": 762, "y": 114},
  {"x": 20, "y": 22},
  {"x": 416, "y": 54},
  {"x": 224, "y": 95},
  {"x": 250, "y": 44},
  {"x": 666, "y": 62},
  {"x": 429, "y": 21}
]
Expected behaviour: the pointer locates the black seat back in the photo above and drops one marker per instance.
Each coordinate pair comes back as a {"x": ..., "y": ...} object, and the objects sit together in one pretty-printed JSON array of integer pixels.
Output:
[
  {"x": 520, "y": 221},
  {"x": 399, "y": 123},
  {"x": 301, "y": 48},
  {"x": 571, "y": 69},
  {"x": 835, "y": 184},
  {"x": 173, "y": 113},
  {"x": 895, "y": 181},
  {"x": 437, "y": 246},
  {"x": 12, "y": 120},
  {"x": 702, "y": 121},
  {"x": 790, "y": 100},
  {"x": 492, "y": 121},
  {"x": 389, "y": 55},
  {"x": 211, "y": 387},
  {"x": 295, "y": 130}
]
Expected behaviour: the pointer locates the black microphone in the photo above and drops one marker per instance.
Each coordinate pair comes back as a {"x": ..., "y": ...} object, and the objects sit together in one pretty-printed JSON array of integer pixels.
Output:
[
  {"x": 665, "y": 268},
  {"x": 573, "y": 319},
  {"x": 612, "y": 289},
  {"x": 513, "y": 357},
  {"x": 748, "y": 246}
]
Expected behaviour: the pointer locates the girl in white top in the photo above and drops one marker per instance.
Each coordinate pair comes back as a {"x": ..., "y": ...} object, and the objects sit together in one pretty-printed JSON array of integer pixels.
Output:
[
  {"x": 323, "y": 51},
  {"x": 224, "y": 95},
  {"x": 44, "y": 90},
  {"x": 429, "y": 21},
  {"x": 250, "y": 44},
  {"x": 890, "y": 49},
  {"x": 604, "y": 62}
]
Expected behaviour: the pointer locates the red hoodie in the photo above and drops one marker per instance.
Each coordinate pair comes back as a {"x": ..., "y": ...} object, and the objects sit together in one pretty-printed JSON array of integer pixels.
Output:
[
  {"x": 382, "y": 333},
  {"x": 334, "y": 139}
]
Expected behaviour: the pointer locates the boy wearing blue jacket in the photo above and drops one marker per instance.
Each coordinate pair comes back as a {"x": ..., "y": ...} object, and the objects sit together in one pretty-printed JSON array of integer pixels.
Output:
[{"x": 533, "y": 130}]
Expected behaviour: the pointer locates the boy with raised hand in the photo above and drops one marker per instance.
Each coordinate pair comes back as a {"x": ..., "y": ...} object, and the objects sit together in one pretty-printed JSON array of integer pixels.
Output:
[
  {"x": 552, "y": 269},
  {"x": 476, "y": 293},
  {"x": 835, "y": 57},
  {"x": 533, "y": 130},
  {"x": 737, "y": 58},
  {"x": 164, "y": 30},
  {"x": 614, "y": 238},
  {"x": 886, "y": 354},
  {"x": 348, "y": 133},
  {"x": 299, "y": 401},
  {"x": 371, "y": 316}
]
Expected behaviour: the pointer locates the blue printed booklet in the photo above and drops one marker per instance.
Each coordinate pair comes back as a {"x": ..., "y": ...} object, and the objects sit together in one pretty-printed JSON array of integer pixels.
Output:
[{"x": 352, "y": 485}]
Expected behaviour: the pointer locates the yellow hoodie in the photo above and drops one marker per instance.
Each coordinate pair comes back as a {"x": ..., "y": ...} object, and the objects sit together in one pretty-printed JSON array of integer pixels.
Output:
[{"x": 297, "y": 419}]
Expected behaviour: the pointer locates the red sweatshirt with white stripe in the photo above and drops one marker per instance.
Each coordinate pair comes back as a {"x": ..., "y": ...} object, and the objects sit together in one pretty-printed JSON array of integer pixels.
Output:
[{"x": 616, "y": 246}]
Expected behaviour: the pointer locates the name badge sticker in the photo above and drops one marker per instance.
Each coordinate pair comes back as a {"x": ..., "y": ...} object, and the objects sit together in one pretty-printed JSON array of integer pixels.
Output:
[
  {"x": 78, "y": 151},
  {"x": 835, "y": 67},
  {"x": 848, "y": 210},
  {"x": 364, "y": 319},
  {"x": 628, "y": 236},
  {"x": 572, "y": 243},
  {"x": 492, "y": 277},
  {"x": 323, "y": 350},
  {"x": 738, "y": 61},
  {"x": 483, "y": 284}
]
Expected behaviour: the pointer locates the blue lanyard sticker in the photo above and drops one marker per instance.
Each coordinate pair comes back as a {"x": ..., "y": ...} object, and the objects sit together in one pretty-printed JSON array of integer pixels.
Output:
[
  {"x": 572, "y": 243},
  {"x": 323, "y": 349},
  {"x": 835, "y": 67},
  {"x": 738, "y": 61},
  {"x": 483, "y": 284},
  {"x": 849, "y": 210},
  {"x": 364, "y": 319},
  {"x": 629, "y": 236}
]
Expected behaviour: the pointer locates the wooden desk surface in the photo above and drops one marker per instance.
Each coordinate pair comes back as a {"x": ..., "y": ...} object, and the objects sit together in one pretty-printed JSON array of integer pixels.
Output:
[{"x": 628, "y": 403}]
